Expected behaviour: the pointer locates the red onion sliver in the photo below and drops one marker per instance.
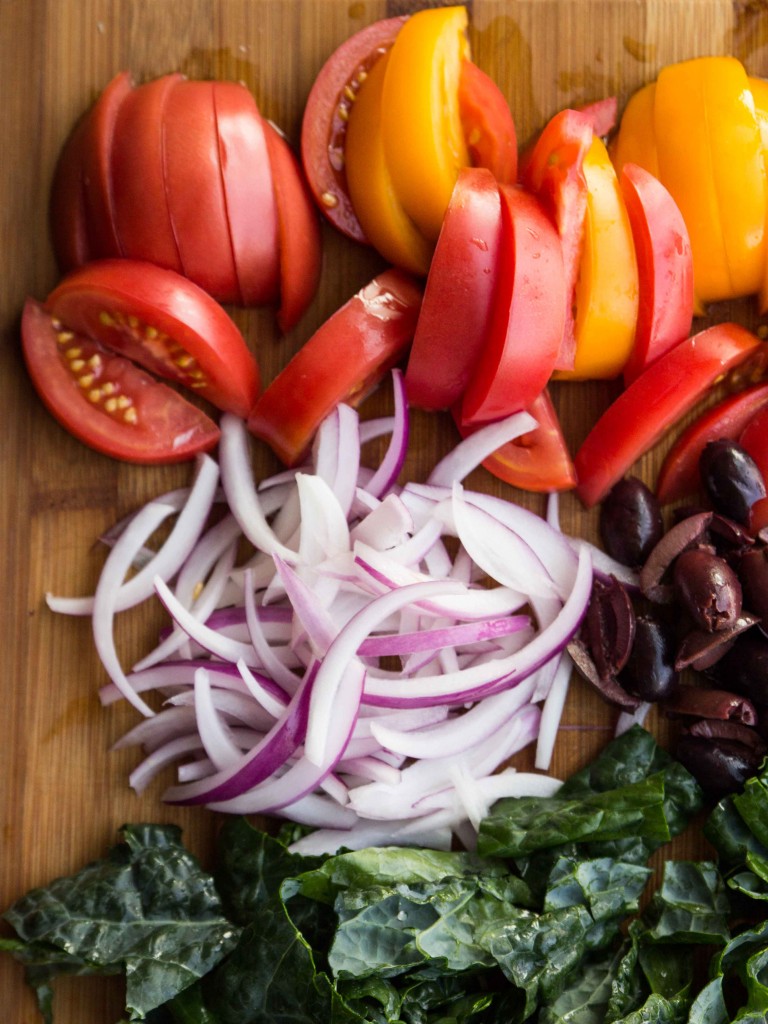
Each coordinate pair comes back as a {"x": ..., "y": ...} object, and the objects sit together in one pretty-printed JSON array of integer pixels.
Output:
[
  {"x": 470, "y": 453},
  {"x": 389, "y": 468}
]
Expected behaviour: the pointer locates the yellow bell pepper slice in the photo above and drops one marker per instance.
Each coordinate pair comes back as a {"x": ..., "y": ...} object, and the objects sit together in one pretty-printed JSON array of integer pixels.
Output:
[
  {"x": 386, "y": 224},
  {"x": 635, "y": 141},
  {"x": 710, "y": 159},
  {"x": 759, "y": 90},
  {"x": 421, "y": 125},
  {"x": 606, "y": 294}
]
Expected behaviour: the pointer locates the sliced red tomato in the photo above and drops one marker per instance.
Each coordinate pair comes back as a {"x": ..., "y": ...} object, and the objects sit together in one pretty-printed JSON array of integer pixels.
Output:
[
  {"x": 105, "y": 400},
  {"x": 97, "y": 177},
  {"x": 249, "y": 195},
  {"x": 554, "y": 170},
  {"x": 195, "y": 190},
  {"x": 664, "y": 267},
  {"x": 656, "y": 400},
  {"x": 602, "y": 114},
  {"x": 300, "y": 243},
  {"x": 68, "y": 225},
  {"x": 458, "y": 297},
  {"x": 142, "y": 219},
  {"x": 539, "y": 460},
  {"x": 165, "y": 323},
  {"x": 341, "y": 362},
  {"x": 324, "y": 125},
  {"x": 754, "y": 438},
  {"x": 487, "y": 122},
  {"x": 528, "y": 314},
  {"x": 679, "y": 473}
]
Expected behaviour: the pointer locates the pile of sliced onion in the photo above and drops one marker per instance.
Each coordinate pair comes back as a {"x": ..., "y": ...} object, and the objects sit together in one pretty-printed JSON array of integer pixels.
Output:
[{"x": 375, "y": 661}]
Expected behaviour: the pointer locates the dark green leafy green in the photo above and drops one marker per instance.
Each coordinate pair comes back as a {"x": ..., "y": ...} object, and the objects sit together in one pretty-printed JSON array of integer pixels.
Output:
[{"x": 148, "y": 910}]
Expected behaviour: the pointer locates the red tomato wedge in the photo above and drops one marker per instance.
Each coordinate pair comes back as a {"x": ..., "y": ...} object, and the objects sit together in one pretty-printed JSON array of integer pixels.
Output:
[
  {"x": 538, "y": 461},
  {"x": 97, "y": 177},
  {"x": 68, "y": 225},
  {"x": 324, "y": 125},
  {"x": 487, "y": 122},
  {"x": 679, "y": 473},
  {"x": 165, "y": 323},
  {"x": 657, "y": 399},
  {"x": 105, "y": 400},
  {"x": 249, "y": 196},
  {"x": 458, "y": 297},
  {"x": 664, "y": 266},
  {"x": 342, "y": 361},
  {"x": 195, "y": 191},
  {"x": 553, "y": 170},
  {"x": 142, "y": 220},
  {"x": 754, "y": 438},
  {"x": 528, "y": 314},
  {"x": 300, "y": 243}
]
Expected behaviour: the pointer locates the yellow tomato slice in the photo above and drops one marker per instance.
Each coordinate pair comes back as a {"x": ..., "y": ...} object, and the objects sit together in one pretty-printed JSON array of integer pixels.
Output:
[
  {"x": 635, "y": 141},
  {"x": 710, "y": 159},
  {"x": 606, "y": 294},
  {"x": 421, "y": 124},
  {"x": 387, "y": 226}
]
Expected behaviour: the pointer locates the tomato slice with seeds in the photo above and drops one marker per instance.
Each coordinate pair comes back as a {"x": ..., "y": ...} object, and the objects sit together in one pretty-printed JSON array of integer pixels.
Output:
[
  {"x": 324, "y": 126},
  {"x": 106, "y": 401},
  {"x": 165, "y": 323}
]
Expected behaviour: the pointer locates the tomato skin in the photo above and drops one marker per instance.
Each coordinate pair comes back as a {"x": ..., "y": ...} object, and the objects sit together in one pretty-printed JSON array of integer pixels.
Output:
[
  {"x": 97, "y": 178},
  {"x": 528, "y": 313},
  {"x": 538, "y": 461},
  {"x": 165, "y": 323},
  {"x": 249, "y": 197},
  {"x": 602, "y": 114},
  {"x": 656, "y": 400},
  {"x": 679, "y": 474},
  {"x": 553, "y": 169},
  {"x": 458, "y": 297},
  {"x": 150, "y": 423},
  {"x": 387, "y": 226},
  {"x": 66, "y": 214},
  {"x": 421, "y": 124},
  {"x": 195, "y": 191},
  {"x": 754, "y": 438},
  {"x": 300, "y": 242},
  {"x": 487, "y": 123},
  {"x": 324, "y": 125},
  {"x": 341, "y": 362},
  {"x": 665, "y": 268}
]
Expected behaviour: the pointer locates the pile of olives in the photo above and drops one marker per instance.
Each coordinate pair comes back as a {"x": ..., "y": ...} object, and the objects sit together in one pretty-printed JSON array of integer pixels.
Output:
[{"x": 693, "y": 635}]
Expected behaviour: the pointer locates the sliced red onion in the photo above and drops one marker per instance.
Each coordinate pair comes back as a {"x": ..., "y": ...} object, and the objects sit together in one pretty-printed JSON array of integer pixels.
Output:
[
  {"x": 363, "y": 834},
  {"x": 448, "y": 636},
  {"x": 242, "y": 496},
  {"x": 389, "y": 468},
  {"x": 325, "y": 531},
  {"x": 210, "y": 639},
  {"x": 388, "y": 525},
  {"x": 342, "y": 652},
  {"x": 552, "y": 712},
  {"x": 336, "y": 453},
  {"x": 474, "y": 449}
]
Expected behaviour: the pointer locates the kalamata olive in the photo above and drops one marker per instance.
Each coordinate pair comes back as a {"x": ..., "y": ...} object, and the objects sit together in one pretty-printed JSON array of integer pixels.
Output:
[
  {"x": 744, "y": 669},
  {"x": 753, "y": 574},
  {"x": 630, "y": 521},
  {"x": 649, "y": 672},
  {"x": 609, "y": 626},
  {"x": 720, "y": 766},
  {"x": 708, "y": 588},
  {"x": 731, "y": 479}
]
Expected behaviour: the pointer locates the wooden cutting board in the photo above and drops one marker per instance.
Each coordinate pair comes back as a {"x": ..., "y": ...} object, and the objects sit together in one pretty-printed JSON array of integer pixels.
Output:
[{"x": 63, "y": 794}]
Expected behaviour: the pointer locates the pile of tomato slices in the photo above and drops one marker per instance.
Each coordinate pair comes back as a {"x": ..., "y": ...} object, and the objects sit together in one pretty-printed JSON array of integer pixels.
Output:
[
  {"x": 217, "y": 196},
  {"x": 505, "y": 271}
]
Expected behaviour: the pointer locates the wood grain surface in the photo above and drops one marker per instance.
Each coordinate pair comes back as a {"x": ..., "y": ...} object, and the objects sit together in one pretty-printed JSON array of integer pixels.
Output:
[{"x": 63, "y": 793}]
